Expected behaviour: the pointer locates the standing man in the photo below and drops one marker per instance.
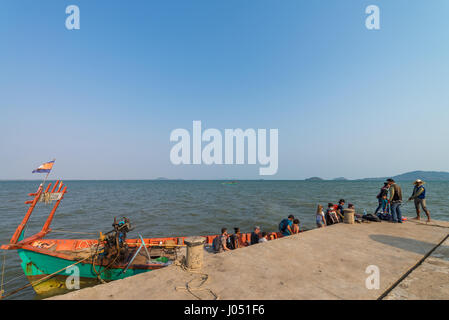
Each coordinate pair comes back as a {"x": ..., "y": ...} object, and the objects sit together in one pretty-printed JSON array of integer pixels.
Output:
[
  {"x": 395, "y": 201},
  {"x": 419, "y": 196}
]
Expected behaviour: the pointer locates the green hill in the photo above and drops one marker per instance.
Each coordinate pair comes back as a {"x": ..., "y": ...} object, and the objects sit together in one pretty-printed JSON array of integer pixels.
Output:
[
  {"x": 413, "y": 175},
  {"x": 314, "y": 179}
]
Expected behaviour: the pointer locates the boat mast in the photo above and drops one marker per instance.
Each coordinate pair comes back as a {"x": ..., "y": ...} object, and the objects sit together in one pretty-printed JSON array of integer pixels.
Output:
[{"x": 38, "y": 197}]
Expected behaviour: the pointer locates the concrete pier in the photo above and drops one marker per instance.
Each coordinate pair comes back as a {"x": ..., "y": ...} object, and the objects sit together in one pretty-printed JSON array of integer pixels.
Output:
[
  {"x": 430, "y": 280},
  {"x": 327, "y": 263}
]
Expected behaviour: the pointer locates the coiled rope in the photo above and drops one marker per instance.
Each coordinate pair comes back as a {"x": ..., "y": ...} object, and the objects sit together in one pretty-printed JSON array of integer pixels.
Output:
[{"x": 204, "y": 279}]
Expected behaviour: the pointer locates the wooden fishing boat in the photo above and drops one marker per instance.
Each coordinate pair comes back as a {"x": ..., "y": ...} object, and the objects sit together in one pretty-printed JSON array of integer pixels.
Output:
[{"x": 49, "y": 263}]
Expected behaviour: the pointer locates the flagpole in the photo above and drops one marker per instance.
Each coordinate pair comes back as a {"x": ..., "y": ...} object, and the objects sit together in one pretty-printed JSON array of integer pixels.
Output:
[{"x": 45, "y": 180}]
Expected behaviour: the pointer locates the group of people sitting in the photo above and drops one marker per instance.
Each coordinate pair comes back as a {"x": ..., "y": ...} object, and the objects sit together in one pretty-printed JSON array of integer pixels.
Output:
[
  {"x": 334, "y": 213},
  {"x": 289, "y": 226},
  {"x": 226, "y": 242}
]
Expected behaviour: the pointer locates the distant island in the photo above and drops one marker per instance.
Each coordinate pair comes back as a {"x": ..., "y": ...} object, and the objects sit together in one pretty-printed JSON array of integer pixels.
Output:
[
  {"x": 314, "y": 179},
  {"x": 413, "y": 175},
  {"x": 321, "y": 179},
  {"x": 408, "y": 176}
]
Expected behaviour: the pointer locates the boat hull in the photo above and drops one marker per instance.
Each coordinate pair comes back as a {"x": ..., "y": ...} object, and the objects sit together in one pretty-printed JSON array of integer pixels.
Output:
[
  {"x": 47, "y": 262},
  {"x": 37, "y": 266}
]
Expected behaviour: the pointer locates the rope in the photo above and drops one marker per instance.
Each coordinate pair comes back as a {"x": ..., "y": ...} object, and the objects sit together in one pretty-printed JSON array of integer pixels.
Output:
[
  {"x": 15, "y": 278},
  {"x": 205, "y": 278},
  {"x": 95, "y": 255},
  {"x": 110, "y": 264},
  {"x": 47, "y": 196}
]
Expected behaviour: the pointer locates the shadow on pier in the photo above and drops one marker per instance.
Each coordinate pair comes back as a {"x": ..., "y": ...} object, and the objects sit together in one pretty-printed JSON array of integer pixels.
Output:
[{"x": 409, "y": 244}]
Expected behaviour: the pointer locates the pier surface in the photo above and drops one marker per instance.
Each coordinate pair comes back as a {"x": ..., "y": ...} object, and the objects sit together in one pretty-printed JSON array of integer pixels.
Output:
[{"x": 328, "y": 263}]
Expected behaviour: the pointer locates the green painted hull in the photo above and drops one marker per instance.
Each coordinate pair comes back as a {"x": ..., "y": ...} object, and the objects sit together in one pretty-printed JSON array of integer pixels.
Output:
[{"x": 36, "y": 266}]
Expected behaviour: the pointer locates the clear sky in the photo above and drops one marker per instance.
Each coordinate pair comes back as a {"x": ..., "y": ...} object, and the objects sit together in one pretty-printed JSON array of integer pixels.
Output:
[{"x": 103, "y": 100}]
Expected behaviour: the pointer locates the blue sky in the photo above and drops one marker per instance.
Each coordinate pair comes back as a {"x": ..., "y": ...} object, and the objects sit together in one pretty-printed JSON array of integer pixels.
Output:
[{"x": 103, "y": 100}]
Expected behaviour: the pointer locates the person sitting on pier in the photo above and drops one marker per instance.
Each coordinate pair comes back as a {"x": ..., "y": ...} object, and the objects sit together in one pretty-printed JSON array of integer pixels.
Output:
[
  {"x": 285, "y": 227},
  {"x": 340, "y": 207},
  {"x": 331, "y": 214},
  {"x": 236, "y": 239},
  {"x": 295, "y": 227},
  {"x": 264, "y": 237},
  {"x": 255, "y": 235},
  {"x": 220, "y": 242},
  {"x": 320, "y": 218}
]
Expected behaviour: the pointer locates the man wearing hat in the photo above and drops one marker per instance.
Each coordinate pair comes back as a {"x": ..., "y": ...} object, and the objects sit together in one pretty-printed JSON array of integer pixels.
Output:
[
  {"x": 419, "y": 196},
  {"x": 395, "y": 201}
]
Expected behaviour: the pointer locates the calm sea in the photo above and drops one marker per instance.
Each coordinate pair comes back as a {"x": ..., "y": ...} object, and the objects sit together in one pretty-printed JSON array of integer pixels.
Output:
[{"x": 182, "y": 208}]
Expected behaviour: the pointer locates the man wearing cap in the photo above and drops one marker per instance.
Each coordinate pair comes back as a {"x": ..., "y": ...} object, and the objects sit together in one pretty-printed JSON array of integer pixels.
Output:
[
  {"x": 419, "y": 196},
  {"x": 395, "y": 201}
]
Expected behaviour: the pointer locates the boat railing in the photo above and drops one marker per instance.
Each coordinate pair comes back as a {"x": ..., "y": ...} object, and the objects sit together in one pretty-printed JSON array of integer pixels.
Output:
[{"x": 55, "y": 195}]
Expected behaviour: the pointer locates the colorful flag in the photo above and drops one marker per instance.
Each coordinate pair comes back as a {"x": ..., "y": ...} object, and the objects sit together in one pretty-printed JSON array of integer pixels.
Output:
[{"x": 46, "y": 167}]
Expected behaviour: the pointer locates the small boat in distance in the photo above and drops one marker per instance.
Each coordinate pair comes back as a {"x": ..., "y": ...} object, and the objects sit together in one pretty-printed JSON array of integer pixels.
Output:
[
  {"x": 48, "y": 263},
  {"x": 230, "y": 182}
]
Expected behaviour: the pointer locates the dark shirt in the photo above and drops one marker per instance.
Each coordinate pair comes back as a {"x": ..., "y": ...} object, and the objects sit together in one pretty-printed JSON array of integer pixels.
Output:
[
  {"x": 340, "y": 207},
  {"x": 234, "y": 241},
  {"x": 396, "y": 193},
  {"x": 383, "y": 192},
  {"x": 254, "y": 238}
]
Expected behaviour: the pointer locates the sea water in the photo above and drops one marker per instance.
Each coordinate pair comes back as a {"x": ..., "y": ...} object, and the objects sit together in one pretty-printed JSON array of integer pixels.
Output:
[{"x": 183, "y": 208}]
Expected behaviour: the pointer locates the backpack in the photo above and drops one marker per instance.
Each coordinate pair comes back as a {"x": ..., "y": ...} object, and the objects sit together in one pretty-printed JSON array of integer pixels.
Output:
[
  {"x": 331, "y": 217},
  {"x": 283, "y": 225},
  {"x": 383, "y": 192},
  {"x": 216, "y": 243},
  {"x": 384, "y": 216},
  {"x": 371, "y": 217},
  {"x": 230, "y": 242}
]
